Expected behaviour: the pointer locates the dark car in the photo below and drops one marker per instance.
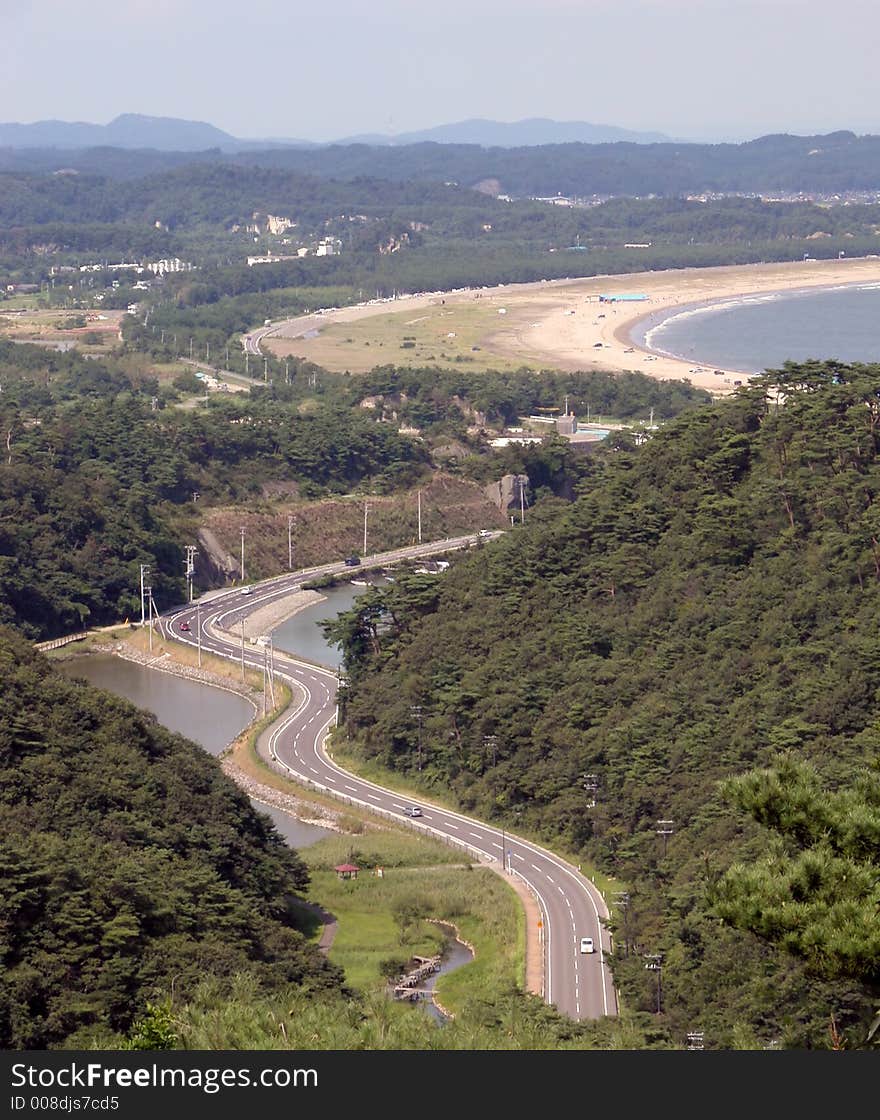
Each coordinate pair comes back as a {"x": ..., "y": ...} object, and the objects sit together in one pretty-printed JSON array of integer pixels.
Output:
[
  {"x": 184, "y": 625},
  {"x": 352, "y": 561}
]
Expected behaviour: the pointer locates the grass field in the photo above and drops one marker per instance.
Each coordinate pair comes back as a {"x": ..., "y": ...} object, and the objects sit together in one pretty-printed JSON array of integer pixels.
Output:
[
  {"x": 464, "y": 333},
  {"x": 392, "y": 917}
]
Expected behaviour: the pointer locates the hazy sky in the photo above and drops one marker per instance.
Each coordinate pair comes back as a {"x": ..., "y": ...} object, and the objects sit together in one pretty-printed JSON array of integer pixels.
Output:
[{"x": 693, "y": 69}]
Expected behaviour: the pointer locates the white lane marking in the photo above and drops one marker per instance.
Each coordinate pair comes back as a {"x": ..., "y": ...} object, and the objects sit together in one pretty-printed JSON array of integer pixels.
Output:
[
  {"x": 479, "y": 836},
  {"x": 451, "y": 824},
  {"x": 352, "y": 788}
]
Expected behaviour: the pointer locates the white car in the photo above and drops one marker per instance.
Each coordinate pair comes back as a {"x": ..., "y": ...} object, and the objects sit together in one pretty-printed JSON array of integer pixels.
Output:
[
  {"x": 247, "y": 591},
  {"x": 587, "y": 945},
  {"x": 413, "y": 811}
]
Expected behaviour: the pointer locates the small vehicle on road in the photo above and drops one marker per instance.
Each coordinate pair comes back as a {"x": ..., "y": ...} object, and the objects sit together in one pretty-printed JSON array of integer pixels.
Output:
[
  {"x": 352, "y": 561},
  {"x": 413, "y": 811},
  {"x": 184, "y": 625},
  {"x": 587, "y": 945},
  {"x": 247, "y": 591}
]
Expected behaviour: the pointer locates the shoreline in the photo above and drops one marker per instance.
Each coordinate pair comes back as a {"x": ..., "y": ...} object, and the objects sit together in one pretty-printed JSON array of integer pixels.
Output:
[
  {"x": 563, "y": 325},
  {"x": 616, "y": 326}
]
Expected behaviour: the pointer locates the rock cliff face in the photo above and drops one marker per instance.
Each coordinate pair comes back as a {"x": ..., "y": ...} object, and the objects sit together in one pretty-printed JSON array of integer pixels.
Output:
[
  {"x": 506, "y": 492},
  {"x": 213, "y": 558}
]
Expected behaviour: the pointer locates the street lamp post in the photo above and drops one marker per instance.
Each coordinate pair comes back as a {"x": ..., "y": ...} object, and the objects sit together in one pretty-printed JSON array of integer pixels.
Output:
[
  {"x": 622, "y": 901},
  {"x": 145, "y": 571},
  {"x": 416, "y": 710},
  {"x": 149, "y": 592}
]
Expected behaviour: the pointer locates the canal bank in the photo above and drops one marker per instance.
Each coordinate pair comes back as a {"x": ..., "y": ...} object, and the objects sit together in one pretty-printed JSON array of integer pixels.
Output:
[{"x": 299, "y": 820}]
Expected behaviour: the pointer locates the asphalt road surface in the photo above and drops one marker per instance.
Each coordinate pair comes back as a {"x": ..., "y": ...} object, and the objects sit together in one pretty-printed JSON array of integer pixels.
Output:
[{"x": 578, "y": 984}]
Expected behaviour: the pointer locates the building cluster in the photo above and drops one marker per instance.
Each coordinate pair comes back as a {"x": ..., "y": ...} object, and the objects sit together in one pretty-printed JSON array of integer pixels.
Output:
[{"x": 326, "y": 247}]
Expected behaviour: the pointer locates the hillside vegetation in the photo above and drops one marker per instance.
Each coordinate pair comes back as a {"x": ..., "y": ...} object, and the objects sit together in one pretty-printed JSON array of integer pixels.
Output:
[
  {"x": 707, "y": 606},
  {"x": 130, "y": 867}
]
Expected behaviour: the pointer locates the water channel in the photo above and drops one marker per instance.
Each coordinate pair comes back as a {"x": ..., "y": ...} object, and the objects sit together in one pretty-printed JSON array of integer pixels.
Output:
[
  {"x": 302, "y": 635},
  {"x": 211, "y": 716},
  {"x": 208, "y": 716}
]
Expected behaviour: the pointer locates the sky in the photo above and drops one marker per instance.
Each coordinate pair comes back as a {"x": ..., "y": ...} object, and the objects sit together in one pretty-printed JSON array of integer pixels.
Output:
[{"x": 702, "y": 70}]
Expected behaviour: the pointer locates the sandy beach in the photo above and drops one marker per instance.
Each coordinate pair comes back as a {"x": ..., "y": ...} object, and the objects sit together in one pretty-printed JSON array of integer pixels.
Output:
[
  {"x": 564, "y": 334},
  {"x": 562, "y": 324}
]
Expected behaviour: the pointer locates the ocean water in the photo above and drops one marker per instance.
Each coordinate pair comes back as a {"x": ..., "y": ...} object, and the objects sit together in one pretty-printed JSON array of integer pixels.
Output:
[{"x": 752, "y": 333}]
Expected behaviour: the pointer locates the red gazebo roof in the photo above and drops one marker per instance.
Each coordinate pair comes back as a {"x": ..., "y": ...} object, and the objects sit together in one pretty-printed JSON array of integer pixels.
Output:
[{"x": 346, "y": 867}]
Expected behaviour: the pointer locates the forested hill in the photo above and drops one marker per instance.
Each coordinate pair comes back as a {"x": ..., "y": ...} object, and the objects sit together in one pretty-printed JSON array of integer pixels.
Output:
[
  {"x": 130, "y": 866},
  {"x": 838, "y": 161},
  {"x": 709, "y": 604}
]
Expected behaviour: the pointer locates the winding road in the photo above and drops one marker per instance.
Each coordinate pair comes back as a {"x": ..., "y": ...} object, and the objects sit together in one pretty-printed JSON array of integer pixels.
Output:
[{"x": 578, "y": 984}]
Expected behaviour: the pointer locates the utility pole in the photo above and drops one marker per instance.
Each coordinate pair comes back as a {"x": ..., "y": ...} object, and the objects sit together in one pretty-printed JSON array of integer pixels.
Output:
[
  {"x": 287, "y": 371},
  {"x": 491, "y": 741},
  {"x": 291, "y": 521},
  {"x": 522, "y": 501},
  {"x": 622, "y": 902},
  {"x": 416, "y": 710},
  {"x": 247, "y": 361},
  {"x": 242, "y": 554},
  {"x": 242, "y": 649},
  {"x": 655, "y": 964},
  {"x": 366, "y": 511},
  {"x": 190, "y": 349},
  {"x": 190, "y": 567},
  {"x": 149, "y": 592},
  {"x": 266, "y": 369},
  {"x": 145, "y": 571},
  {"x": 420, "y": 516},
  {"x": 665, "y": 829},
  {"x": 199, "y": 630},
  {"x": 591, "y": 785}
]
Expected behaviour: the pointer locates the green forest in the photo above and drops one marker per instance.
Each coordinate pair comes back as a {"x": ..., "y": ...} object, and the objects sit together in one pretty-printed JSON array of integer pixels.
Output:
[
  {"x": 691, "y": 641},
  {"x": 101, "y": 464},
  {"x": 667, "y": 670},
  {"x": 131, "y": 866}
]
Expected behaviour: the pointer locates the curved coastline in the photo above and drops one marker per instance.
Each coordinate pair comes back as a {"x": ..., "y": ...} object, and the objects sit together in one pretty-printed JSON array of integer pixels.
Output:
[{"x": 638, "y": 332}]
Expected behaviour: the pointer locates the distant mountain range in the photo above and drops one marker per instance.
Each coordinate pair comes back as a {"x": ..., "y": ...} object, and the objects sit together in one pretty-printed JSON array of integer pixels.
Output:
[
  {"x": 518, "y": 134},
  {"x": 168, "y": 134}
]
